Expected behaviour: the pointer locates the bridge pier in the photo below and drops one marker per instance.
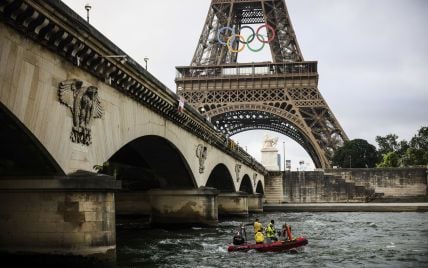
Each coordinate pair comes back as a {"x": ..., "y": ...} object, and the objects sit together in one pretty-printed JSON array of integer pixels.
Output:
[
  {"x": 195, "y": 206},
  {"x": 233, "y": 204},
  {"x": 255, "y": 203},
  {"x": 73, "y": 217},
  {"x": 135, "y": 203}
]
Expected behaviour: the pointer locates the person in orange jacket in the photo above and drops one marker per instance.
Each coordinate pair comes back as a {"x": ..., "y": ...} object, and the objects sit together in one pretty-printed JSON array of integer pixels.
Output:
[{"x": 286, "y": 232}]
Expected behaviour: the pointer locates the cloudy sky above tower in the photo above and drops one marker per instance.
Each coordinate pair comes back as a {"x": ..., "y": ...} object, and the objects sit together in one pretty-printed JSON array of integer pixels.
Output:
[{"x": 372, "y": 56}]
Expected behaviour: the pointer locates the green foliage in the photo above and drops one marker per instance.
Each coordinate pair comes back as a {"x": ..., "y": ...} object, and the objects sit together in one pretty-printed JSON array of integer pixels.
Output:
[
  {"x": 356, "y": 153},
  {"x": 387, "y": 144},
  {"x": 390, "y": 143},
  {"x": 390, "y": 159},
  {"x": 411, "y": 153}
]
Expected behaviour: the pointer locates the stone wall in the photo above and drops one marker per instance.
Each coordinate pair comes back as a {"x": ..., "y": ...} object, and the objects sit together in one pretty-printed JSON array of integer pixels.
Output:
[
  {"x": 233, "y": 204},
  {"x": 274, "y": 187},
  {"x": 351, "y": 185},
  {"x": 195, "y": 206},
  {"x": 63, "y": 217},
  {"x": 391, "y": 182},
  {"x": 317, "y": 187}
]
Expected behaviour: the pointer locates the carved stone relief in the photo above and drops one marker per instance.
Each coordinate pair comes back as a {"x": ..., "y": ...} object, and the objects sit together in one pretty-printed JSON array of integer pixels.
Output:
[
  {"x": 201, "y": 154},
  {"x": 84, "y": 105},
  {"x": 237, "y": 170}
]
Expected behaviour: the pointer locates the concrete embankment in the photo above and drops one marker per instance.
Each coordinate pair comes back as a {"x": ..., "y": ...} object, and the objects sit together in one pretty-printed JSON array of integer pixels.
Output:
[{"x": 347, "y": 207}]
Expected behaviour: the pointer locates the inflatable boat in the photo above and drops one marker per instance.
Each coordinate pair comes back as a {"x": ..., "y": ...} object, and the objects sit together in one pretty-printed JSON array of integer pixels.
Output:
[{"x": 277, "y": 246}]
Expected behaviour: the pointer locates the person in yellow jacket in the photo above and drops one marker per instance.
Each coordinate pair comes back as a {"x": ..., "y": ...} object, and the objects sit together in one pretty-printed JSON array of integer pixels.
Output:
[
  {"x": 271, "y": 231},
  {"x": 257, "y": 226},
  {"x": 258, "y": 232},
  {"x": 259, "y": 237}
]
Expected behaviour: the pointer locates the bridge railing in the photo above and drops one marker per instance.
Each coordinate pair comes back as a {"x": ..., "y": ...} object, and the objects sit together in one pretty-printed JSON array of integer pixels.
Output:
[
  {"x": 247, "y": 69},
  {"x": 236, "y": 149}
]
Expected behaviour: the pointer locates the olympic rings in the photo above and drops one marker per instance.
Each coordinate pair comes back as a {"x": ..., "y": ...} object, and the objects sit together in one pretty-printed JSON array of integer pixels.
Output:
[
  {"x": 257, "y": 49},
  {"x": 221, "y": 30},
  {"x": 267, "y": 27},
  {"x": 245, "y": 41},
  {"x": 229, "y": 46},
  {"x": 248, "y": 39}
]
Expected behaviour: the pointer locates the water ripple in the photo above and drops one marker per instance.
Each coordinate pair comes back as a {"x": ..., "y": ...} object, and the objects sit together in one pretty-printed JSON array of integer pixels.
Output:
[{"x": 335, "y": 240}]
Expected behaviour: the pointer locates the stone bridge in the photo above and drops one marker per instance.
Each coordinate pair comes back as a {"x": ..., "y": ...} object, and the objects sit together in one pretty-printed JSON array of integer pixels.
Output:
[{"x": 72, "y": 101}]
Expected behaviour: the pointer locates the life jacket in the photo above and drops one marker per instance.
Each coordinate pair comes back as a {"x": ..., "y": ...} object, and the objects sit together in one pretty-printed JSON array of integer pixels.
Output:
[
  {"x": 259, "y": 237},
  {"x": 270, "y": 230}
]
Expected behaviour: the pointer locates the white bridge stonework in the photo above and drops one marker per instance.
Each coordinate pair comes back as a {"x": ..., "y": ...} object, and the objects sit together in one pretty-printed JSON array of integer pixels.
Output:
[
  {"x": 53, "y": 69},
  {"x": 29, "y": 79}
]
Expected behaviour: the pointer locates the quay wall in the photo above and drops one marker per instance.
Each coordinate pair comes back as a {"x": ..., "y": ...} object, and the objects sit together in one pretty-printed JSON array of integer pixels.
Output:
[{"x": 348, "y": 185}]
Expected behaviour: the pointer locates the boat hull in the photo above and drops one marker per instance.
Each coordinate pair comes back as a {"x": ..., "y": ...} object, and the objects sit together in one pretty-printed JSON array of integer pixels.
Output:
[{"x": 277, "y": 246}]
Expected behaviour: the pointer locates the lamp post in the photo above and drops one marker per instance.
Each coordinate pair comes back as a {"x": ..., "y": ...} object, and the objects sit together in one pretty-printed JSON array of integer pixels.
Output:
[
  {"x": 87, "y": 7},
  {"x": 283, "y": 153},
  {"x": 146, "y": 60}
]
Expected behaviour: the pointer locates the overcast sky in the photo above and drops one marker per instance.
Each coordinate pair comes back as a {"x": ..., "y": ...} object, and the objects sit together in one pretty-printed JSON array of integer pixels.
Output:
[{"x": 372, "y": 56}]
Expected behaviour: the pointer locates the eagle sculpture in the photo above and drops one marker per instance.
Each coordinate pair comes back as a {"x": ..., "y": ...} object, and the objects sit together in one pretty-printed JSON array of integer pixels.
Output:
[{"x": 84, "y": 105}]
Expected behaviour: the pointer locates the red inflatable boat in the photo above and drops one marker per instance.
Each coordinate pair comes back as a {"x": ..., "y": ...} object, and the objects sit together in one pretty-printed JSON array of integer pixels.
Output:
[{"x": 277, "y": 246}]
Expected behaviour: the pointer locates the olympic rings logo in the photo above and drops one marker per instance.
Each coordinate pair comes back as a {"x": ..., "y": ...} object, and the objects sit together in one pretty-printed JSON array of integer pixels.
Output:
[{"x": 234, "y": 37}]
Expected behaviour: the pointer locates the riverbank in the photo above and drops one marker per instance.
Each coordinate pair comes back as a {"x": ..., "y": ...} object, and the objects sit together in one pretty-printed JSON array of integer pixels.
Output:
[{"x": 346, "y": 207}]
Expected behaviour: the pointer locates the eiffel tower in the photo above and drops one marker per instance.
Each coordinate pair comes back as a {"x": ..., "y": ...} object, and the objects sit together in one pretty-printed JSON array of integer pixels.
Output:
[{"x": 281, "y": 95}]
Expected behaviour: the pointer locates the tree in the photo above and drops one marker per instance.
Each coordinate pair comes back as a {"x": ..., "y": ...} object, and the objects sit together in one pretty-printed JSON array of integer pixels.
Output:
[
  {"x": 387, "y": 144},
  {"x": 391, "y": 159},
  {"x": 356, "y": 153},
  {"x": 411, "y": 153},
  {"x": 417, "y": 152}
]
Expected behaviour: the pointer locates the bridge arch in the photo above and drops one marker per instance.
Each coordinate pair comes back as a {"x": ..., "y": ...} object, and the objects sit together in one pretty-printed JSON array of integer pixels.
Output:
[
  {"x": 124, "y": 120},
  {"x": 235, "y": 119},
  {"x": 21, "y": 153},
  {"x": 246, "y": 185},
  {"x": 151, "y": 162},
  {"x": 221, "y": 179},
  {"x": 259, "y": 188}
]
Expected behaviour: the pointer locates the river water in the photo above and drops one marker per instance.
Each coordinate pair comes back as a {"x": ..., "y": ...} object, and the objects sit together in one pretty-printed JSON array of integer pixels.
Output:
[{"x": 335, "y": 240}]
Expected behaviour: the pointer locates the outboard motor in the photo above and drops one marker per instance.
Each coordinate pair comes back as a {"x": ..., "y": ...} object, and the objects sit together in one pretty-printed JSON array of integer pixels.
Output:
[
  {"x": 241, "y": 236},
  {"x": 238, "y": 239}
]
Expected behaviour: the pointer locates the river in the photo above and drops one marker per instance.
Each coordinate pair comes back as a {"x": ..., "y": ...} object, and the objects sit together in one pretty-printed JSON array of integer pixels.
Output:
[{"x": 335, "y": 240}]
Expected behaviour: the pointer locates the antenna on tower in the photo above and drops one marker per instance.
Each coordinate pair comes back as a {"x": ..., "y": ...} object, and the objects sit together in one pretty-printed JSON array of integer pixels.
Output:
[{"x": 87, "y": 7}]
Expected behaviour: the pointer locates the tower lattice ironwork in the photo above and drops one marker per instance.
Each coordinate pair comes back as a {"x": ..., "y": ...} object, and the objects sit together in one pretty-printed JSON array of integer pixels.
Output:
[{"x": 281, "y": 95}]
